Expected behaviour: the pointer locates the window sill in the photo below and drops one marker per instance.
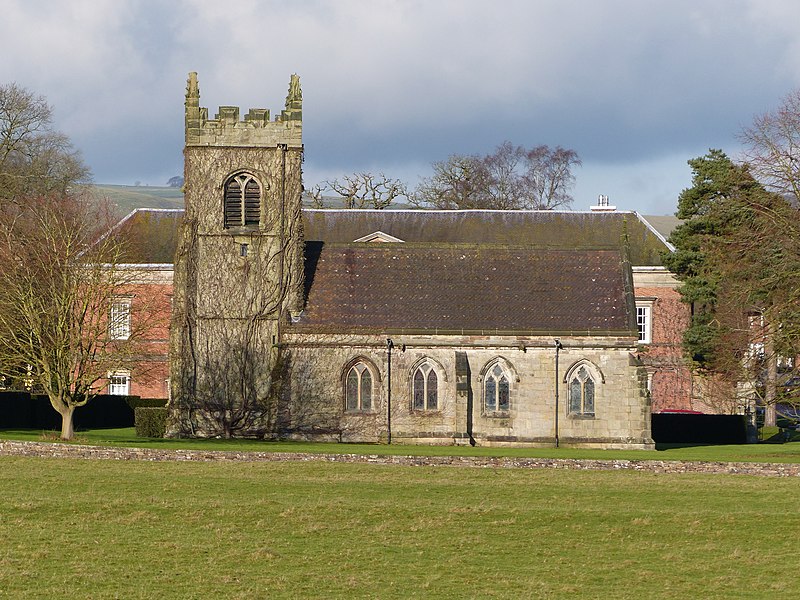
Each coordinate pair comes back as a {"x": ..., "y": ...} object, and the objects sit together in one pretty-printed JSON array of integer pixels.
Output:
[
  {"x": 497, "y": 414},
  {"x": 581, "y": 416},
  {"x": 245, "y": 230}
]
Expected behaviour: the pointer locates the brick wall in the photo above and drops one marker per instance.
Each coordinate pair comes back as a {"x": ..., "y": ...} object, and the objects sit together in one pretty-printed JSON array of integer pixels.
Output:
[{"x": 671, "y": 381}]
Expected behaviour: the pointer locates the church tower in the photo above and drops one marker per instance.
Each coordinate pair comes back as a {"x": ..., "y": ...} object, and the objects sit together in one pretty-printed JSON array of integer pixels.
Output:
[{"x": 238, "y": 267}]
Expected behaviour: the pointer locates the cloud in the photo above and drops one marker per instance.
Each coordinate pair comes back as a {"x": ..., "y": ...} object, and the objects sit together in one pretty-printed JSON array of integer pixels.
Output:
[{"x": 400, "y": 83}]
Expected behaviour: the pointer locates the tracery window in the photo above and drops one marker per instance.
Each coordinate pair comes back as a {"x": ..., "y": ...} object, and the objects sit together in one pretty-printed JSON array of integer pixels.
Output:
[
  {"x": 425, "y": 392},
  {"x": 581, "y": 393},
  {"x": 497, "y": 389},
  {"x": 242, "y": 201},
  {"x": 358, "y": 388}
]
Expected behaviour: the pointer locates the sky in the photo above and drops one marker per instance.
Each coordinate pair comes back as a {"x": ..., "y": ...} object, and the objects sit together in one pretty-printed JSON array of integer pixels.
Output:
[{"x": 635, "y": 87}]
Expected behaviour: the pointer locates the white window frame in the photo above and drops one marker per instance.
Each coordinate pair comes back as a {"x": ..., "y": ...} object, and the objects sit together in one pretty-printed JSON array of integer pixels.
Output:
[
  {"x": 122, "y": 385},
  {"x": 119, "y": 323},
  {"x": 644, "y": 321}
]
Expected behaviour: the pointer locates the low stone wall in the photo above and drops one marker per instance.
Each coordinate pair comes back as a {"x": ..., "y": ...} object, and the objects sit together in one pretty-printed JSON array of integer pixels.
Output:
[{"x": 58, "y": 450}]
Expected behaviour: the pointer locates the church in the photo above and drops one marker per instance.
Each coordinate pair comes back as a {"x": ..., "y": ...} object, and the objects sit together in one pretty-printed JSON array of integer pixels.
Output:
[{"x": 481, "y": 327}]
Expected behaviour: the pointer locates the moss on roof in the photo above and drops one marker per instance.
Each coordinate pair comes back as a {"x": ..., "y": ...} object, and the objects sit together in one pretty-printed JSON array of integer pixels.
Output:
[
  {"x": 152, "y": 234},
  {"x": 149, "y": 236}
]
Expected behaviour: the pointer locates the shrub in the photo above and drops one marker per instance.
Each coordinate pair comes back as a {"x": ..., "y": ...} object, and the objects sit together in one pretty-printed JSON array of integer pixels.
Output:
[
  {"x": 151, "y": 421},
  {"x": 135, "y": 402}
]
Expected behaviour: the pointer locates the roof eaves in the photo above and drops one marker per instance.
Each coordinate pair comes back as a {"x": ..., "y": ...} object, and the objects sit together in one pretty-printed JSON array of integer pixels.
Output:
[
  {"x": 459, "y": 210},
  {"x": 308, "y": 328}
]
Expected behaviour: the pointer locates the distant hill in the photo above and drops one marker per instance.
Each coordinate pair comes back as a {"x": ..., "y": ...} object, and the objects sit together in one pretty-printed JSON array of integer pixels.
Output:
[{"x": 126, "y": 198}]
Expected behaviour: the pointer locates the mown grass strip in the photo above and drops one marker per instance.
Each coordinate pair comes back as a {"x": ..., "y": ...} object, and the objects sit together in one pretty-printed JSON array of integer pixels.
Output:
[{"x": 765, "y": 452}]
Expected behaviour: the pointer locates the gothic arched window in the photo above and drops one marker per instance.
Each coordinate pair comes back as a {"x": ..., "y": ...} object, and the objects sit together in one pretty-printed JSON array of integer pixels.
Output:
[
  {"x": 581, "y": 393},
  {"x": 358, "y": 388},
  {"x": 497, "y": 389},
  {"x": 425, "y": 388},
  {"x": 242, "y": 201}
]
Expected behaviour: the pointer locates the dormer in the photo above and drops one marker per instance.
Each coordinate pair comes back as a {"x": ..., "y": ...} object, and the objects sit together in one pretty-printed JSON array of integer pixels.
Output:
[{"x": 379, "y": 236}]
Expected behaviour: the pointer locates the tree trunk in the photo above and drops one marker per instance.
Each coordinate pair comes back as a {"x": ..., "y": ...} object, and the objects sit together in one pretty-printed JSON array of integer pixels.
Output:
[
  {"x": 67, "y": 429},
  {"x": 770, "y": 414}
]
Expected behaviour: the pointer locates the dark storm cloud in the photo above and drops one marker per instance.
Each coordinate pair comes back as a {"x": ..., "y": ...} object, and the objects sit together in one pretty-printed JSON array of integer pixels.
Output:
[{"x": 636, "y": 88}]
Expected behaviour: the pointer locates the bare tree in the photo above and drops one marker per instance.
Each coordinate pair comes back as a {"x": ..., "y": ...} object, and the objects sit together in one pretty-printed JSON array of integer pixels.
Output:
[
  {"x": 34, "y": 159},
  {"x": 316, "y": 195},
  {"x": 548, "y": 177},
  {"x": 60, "y": 276},
  {"x": 368, "y": 190},
  {"x": 772, "y": 147},
  {"x": 454, "y": 184},
  {"x": 512, "y": 178}
]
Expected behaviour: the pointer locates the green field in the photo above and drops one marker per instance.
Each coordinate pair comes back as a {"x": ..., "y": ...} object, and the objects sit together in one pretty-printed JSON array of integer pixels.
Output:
[
  {"x": 107, "y": 529},
  {"x": 125, "y": 198}
]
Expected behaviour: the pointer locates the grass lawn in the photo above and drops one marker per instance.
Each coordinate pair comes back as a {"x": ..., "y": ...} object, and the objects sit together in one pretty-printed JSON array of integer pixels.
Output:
[
  {"x": 107, "y": 529},
  {"x": 764, "y": 452}
]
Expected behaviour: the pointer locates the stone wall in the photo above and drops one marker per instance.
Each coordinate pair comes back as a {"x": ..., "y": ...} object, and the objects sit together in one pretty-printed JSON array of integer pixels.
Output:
[
  {"x": 235, "y": 283},
  {"x": 50, "y": 450},
  {"x": 314, "y": 393}
]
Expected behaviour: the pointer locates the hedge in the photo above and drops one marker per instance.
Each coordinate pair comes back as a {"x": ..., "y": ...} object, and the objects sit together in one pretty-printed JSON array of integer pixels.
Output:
[
  {"x": 22, "y": 410},
  {"x": 151, "y": 421},
  {"x": 672, "y": 428}
]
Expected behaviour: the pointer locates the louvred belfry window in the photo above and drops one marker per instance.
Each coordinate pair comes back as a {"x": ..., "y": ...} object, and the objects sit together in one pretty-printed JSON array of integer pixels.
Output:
[{"x": 242, "y": 201}]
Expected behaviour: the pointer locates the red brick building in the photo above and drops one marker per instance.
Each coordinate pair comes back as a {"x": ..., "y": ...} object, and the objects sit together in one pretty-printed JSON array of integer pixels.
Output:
[{"x": 661, "y": 316}]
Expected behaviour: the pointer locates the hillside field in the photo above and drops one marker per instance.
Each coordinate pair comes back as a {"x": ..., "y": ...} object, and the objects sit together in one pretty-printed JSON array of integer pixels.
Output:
[{"x": 125, "y": 198}]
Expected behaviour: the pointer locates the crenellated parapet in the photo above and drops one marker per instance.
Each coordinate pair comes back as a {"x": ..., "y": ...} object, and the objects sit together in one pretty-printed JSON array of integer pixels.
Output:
[{"x": 255, "y": 130}]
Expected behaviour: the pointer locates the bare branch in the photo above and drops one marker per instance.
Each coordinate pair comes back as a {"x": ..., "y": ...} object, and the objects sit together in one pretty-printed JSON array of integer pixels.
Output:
[
  {"x": 34, "y": 159},
  {"x": 772, "y": 147},
  {"x": 368, "y": 190}
]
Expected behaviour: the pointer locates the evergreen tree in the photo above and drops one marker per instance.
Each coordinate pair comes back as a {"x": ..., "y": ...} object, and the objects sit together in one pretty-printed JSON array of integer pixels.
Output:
[{"x": 738, "y": 256}]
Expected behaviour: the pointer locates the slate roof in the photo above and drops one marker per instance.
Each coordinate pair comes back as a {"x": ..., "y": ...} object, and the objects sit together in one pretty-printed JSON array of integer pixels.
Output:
[
  {"x": 473, "y": 289},
  {"x": 152, "y": 233}
]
